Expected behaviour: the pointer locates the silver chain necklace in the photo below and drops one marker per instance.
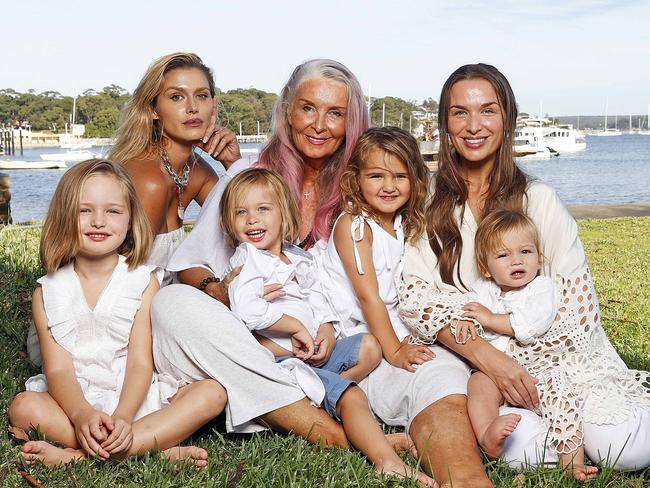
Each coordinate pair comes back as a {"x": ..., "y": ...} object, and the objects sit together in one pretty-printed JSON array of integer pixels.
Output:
[{"x": 181, "y": 182}]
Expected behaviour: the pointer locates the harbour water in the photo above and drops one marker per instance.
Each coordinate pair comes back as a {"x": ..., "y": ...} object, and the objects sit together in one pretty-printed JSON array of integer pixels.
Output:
[{"x": 611, "y": 170}]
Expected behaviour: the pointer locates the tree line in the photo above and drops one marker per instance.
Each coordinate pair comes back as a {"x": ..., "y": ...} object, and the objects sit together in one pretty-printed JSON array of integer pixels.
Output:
[{"x": 248, "y": 110}]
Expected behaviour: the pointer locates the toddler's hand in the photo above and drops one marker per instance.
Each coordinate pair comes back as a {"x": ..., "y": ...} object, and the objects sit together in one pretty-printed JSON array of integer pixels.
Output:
[
  {"x": 91, "y": 428},
  {"x": 302, "y": 344},
  {"x": 478, "y": 312},
  {"x": 120, "y": 438},
  {"x": 323, "y": 345},
  {"x": 410, "y": 356},
  {"x": 464, "y": 330}
]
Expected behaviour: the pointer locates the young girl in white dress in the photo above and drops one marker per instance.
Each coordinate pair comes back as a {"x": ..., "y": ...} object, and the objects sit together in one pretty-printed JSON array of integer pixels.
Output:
[
  {"x": 260, "y": 218},
  {"x": 514, "y": 303},
  {"x": 383, "y": 193},
  {"x": 98, "y": 395}
]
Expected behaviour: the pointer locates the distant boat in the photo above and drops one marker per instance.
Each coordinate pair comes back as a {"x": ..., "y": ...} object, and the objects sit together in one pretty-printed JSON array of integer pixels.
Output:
[
  {"x": 7, "y": 164},
  {"x": 607, "y": 132},
  {"x": 564, "y": 139},
  {"x": 75, "y": 156},
  {"x": 529, "y": 142},
  {"x": 647, "y": 131}
]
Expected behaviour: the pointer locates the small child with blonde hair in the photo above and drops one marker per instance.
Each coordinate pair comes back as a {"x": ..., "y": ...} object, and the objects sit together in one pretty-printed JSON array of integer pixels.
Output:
[
  {"x": 514, "y": 303},
  {"x": 98, "y": 395}
]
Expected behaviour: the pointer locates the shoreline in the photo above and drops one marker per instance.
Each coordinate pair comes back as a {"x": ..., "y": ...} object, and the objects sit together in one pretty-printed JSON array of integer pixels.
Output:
[{"x": 641, "y": 209}]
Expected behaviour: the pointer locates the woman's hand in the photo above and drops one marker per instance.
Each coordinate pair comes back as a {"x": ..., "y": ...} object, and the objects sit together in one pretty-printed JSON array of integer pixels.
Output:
[
  {"x": 273, "y": 291},
  {"x": 219, "y": 290},
  {"x": 410, "y": 356},
  {"x": 120, "y": 438},
  {"x": 514, "y": 382},
  {"x": 219, "y": 142},
  {"x": 91, "y": 428},
  {"x": 323, "y": 345}
]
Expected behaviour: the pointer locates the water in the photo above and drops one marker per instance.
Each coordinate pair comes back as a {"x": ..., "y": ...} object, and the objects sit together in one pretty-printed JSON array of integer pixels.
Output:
[{"x": 611, "y": 170}]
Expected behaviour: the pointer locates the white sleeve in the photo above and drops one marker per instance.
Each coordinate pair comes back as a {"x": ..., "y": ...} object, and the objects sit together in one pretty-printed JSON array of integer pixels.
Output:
[
  {"x": 533, "y": 311},
  {"x": 320, "y": 301},
  {"x": 206, "y": 246},
  {"x": 246, "y": 291},
  {"x": 562, "y": 250}
]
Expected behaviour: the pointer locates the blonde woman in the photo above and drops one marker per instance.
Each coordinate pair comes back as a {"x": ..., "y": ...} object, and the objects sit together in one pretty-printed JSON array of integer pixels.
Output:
[
  {"x": 98, "y": 395},
  {"x": 172, "y": 111}
]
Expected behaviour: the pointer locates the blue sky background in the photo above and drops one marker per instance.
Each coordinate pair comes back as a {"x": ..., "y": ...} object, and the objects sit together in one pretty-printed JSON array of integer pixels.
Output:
[{"x": 569, "y": 55}]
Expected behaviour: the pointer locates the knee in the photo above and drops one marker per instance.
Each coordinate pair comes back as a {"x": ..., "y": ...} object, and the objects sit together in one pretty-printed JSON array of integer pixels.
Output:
[
  {"x": 213, "y": 397},
  {"x": 370, "y": 351},
  {"x": 25, "y": 411}
]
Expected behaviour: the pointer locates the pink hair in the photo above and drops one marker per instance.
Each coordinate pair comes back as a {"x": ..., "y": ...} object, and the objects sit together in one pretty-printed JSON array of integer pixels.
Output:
[{"x": 281, "y": 156}]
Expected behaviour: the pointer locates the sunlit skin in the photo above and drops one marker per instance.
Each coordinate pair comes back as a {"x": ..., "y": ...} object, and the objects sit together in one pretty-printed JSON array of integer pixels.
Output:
[
  {"x": 515, "y": 263},
  {"x": 317, "y": 119},
  {"x": 475, "y": 121},
  {"x": 184, "y": 105},
  {"x": 258, "y": 220},
  {"x": 384, "y": 184},
  {"x": 103, "y": 217}
]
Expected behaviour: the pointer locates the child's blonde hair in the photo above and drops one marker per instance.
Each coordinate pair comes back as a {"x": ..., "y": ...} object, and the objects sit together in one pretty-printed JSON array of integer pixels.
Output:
[
  {"x": 490, "y": 232},
  {"x": 404, "y": 147},
  {"x": 241, "y": 184},
  {"x": 60, "y": 241}
]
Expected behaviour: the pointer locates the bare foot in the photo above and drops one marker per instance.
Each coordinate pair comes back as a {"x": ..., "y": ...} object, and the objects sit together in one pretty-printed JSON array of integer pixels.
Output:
[
  {"x": 581, "y": 472},
  {"x": 48, "y": 454},
  {"x": 402, "y": 442},
  {"x": 496, "y": 433},
  {"x": 181, "y": 453},
  {"x": 402, "y": 470}
]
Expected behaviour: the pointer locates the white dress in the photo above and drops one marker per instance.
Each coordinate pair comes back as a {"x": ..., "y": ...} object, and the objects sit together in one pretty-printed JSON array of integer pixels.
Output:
[
  {"x": 97, "y": 339},
  {"x": 387, "y": 252},
  {"x": 608, "y": 393}
]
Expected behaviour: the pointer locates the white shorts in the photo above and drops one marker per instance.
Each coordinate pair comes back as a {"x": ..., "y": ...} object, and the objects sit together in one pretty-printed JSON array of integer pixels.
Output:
[{"x": 396, "y": 396}]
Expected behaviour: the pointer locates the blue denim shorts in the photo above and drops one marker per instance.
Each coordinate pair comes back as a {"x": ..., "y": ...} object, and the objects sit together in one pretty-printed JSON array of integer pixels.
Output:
[{"x": 344, "y": 356}]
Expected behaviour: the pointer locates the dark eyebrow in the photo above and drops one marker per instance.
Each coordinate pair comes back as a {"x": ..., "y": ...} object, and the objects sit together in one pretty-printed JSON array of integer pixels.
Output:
[{"x": 484, "y": 105}]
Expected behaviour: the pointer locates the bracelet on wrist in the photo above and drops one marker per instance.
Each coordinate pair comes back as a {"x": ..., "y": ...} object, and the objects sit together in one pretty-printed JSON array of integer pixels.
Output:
[{"x": 206, "y": 281}]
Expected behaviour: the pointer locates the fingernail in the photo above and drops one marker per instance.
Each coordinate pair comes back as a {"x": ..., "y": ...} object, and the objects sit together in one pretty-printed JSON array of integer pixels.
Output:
[{"x": 204, "y": 140}]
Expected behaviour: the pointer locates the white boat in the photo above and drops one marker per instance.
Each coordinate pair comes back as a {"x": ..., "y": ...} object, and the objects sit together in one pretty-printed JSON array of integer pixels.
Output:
[
  {"x": 564, "y": 139},
  {"x": 7, "y": 164},
  {"x": 607, "y": 132},
  {"x": 74, "y": 156},
  {"x": 529, "y": 142},
  {"x": 645, "y": 132}
]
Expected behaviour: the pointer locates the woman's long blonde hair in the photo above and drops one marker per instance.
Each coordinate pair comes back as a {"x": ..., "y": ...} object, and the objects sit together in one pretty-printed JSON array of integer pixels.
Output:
[
  {"x": 60, "y": 240},
  {"x": 138, "y": 131},
  {"x": 507, "y": 183}
]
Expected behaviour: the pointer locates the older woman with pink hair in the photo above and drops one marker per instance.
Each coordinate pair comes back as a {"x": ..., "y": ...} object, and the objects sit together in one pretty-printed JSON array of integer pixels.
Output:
[{"x": 317, "y": 119}]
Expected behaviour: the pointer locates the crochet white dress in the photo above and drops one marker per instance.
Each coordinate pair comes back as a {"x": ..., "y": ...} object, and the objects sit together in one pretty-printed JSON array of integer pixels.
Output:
[
  {"x": 98, "y": 338},
  {"x": 586, "y": 375}
]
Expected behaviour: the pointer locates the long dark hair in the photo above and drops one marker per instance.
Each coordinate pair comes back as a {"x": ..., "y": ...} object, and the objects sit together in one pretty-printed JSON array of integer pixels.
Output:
[{"x": 507, "y": 183}]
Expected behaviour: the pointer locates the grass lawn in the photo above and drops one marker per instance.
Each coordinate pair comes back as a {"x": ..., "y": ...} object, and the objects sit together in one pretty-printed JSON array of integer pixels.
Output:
[{"x": 617, "y": 249}]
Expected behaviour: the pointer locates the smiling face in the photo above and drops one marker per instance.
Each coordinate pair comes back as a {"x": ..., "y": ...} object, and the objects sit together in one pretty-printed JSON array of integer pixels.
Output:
[
  {"x": 516, "y": 262},
  {"x": 103, "y": 217},
  {"x": 258, "y": 219},
  {"x": 384, "y": 183},
  {"x": 475, "y": 121},
  {"x": 184, "y": 105},
  {"x": 317, "y": 119}
]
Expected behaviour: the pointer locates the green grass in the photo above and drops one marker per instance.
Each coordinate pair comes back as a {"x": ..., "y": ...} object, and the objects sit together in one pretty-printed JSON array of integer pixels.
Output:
[{"x": 617, "y": 250}]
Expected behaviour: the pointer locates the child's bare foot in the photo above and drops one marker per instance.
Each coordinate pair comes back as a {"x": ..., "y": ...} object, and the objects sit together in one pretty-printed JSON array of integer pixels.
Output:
[
  {"x": 402, "y": 442},
  {"x": 48, "y": 454},
  {"x": 581, "y": 472},
  {"x": 181, "y": 453},
  {"x": 402, "y": 470},
  {"x": 496, "y": 433}
]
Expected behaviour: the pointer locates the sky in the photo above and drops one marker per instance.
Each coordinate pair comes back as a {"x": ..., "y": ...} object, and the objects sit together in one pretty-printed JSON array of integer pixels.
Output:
[{"x": 569, "y": 56}]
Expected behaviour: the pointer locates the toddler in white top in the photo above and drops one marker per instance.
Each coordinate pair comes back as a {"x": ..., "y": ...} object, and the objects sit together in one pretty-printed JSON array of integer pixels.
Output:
[
  {"x": 514, "y": 303},
  {"x": 260, "y": 217},
  {"x": 98, "y": 395}
]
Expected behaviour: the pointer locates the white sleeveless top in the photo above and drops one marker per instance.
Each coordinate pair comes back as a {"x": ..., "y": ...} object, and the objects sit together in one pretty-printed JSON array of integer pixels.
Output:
[
  {"x": 387, "y": 252},
  {"x": 98, "y": 338},
  {"x": 162, "y": 249}
]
